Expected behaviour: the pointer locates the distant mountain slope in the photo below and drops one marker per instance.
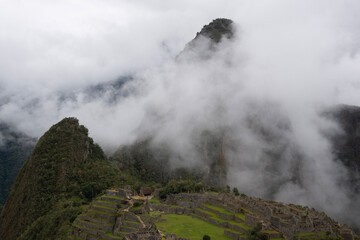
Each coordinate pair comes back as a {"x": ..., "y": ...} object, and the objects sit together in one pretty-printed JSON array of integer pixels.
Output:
[
  {"x": 65, "y": 170},
  {"x": 15, "y": 148},
  {"x": 347, "y": 144},
  {"x": 152, "y": 161}
]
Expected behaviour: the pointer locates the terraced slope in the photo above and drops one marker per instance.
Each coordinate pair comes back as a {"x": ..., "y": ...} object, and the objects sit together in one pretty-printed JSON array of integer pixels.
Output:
[
  {"x": 206, "y": 209},
  {"x": 240, "y": 215},
  {"x": 112, "y": 216},
  {"x": 120, "y": 215}
]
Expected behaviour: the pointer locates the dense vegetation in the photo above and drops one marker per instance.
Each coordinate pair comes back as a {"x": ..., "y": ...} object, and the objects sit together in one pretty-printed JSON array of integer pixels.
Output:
[
  {"x": 256, "y": 234},
  {"x": 180, "y": 186},
  {"x": 65, "y": 171},
  {"x": 151, "y": 164},
  {"x": 15, "y": 148}
]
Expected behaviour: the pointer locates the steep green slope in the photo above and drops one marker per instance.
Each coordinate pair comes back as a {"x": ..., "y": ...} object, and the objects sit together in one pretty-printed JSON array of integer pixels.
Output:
[
  {"x": 65, "y": 170},
  {"x": 151, "y": 163}
]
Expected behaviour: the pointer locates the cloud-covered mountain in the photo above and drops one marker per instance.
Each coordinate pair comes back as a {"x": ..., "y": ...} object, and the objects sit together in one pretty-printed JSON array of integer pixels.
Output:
[{"x": 265, "y": 91}]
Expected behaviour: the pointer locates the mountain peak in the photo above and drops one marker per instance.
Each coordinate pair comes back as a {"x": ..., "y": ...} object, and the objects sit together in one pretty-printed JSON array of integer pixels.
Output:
[
  {"x": 205, "y": 42},
  {"x": 217, "y": 29},
  {"x": 52, "y": 174}
]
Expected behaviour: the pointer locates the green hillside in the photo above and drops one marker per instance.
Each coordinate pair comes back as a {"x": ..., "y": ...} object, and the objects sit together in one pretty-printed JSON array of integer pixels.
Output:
[{"x": 65, "y": 171}]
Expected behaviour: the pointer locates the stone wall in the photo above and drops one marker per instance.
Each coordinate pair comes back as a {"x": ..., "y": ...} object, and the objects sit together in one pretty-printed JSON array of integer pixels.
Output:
[
  {"x": 226, "y": 216},
  {"x": 231, "y": 235},
  {"x": 251, "y": 220},
  {"x": 170, "y": 209}
]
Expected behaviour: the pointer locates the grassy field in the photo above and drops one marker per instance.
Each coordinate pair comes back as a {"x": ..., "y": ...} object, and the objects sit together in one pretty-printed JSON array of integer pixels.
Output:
[{"x": 189, "y": 227}]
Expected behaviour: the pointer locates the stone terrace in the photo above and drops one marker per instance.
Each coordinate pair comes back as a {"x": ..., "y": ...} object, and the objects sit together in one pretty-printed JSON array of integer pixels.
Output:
[
  {"x": 238, "y": 214},
  {"x": 119, "y": 215},
  {"x": 111, "y": 217}
]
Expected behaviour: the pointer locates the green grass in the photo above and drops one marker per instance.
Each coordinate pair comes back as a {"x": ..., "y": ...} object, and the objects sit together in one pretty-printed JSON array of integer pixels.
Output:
[
  {"x": 188, "y": 227},
  {"x": 93, "y": 211},
  {"x": 155, "y": 200},
  {"x": 242, "y": 225},
  {"x": 113, "y": 236},
  {"x": 114, "y": 197},
  {"x": 270, "y": 231},
  {"x": 213, "y": 215},
  {"x": 305, "y": 234},
  {"x": 104, "y": 207},
  {"x": 218, "y": 209},
  {"x": 103, "y": 201},
  {"x": 216, "y": 217},
  {"x": 240, "y": 215}
]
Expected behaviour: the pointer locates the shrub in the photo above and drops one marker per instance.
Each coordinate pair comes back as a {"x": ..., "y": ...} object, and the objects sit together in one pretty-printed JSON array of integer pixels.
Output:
[
  {"x": 236, "y": 191},
  {"x": 174, "y": 187},
  {"x": 255, "y": 234}
]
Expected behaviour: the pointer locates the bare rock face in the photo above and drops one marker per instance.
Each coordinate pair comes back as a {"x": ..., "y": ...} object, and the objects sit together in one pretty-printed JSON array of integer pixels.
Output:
[
  {"x": 205, "y": 43},
  {"x": 217, "y": 29}
]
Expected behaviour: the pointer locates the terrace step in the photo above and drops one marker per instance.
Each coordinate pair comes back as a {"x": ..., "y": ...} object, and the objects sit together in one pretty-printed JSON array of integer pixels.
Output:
[
  {"x": 95, "y": 226},
  {"x": 104, "y": 209},
  {"x": 109, "y": 204},
  {"x": 96, "y": 232},
  {"x": 131, "y": 224},
  {"x": 127, "y": 229},
  {"x": 110, "y": 236},
  {"x": 121, "y": 234},
  {"x": 114, "y": 199},
  {"x": 110, "y": 217}
]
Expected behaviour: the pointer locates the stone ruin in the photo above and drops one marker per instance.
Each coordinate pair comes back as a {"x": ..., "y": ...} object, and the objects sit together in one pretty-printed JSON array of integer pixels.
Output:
[
  {"x": 146, "y": 191},
  {"x": 288, "y": 219},
  {"x": 115, "y": 215}
]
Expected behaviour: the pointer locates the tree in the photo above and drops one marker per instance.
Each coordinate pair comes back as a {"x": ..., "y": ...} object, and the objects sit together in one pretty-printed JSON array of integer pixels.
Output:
[
  {"x": 227, "y": 189},
  {"x": 236, "y": 191},
  {"x": 255, "y": 234},
  {"x": 206, "y": 237}
]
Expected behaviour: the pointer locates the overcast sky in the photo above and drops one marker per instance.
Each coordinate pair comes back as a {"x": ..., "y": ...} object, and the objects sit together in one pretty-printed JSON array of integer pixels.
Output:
[{"x": 47, "y": 47}]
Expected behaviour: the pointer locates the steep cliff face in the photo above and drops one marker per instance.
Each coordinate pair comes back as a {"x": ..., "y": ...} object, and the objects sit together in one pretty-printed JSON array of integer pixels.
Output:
[
  {"x": 63, "y": 164},
  {"x": 206, "y": 41}
]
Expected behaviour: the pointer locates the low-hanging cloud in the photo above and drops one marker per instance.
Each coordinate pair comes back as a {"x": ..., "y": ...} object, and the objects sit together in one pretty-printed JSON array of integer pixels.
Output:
[{"x": 265, "y": 89}]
